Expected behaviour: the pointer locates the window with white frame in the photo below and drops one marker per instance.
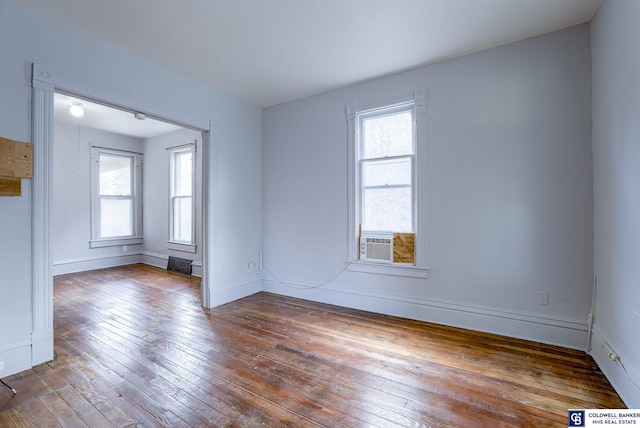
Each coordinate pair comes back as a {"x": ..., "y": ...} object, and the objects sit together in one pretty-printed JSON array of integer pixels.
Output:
[
  {"x": 181, "y": 196},
  {"x": 387, "y": 182},
  {"x": 386, "y": 159},
  {"x": 116, "y": 197}
]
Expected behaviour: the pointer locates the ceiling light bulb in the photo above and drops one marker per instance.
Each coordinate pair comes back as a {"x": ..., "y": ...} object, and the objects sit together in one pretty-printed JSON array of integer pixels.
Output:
[{"x": 76, "y": 109}]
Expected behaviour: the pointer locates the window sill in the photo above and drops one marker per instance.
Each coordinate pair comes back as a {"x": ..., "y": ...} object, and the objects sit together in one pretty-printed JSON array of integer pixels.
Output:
[
  {"x": 101, "y": 243},
  {"x": 407, "y": 271},
  {"x": 185, "y": 248}
]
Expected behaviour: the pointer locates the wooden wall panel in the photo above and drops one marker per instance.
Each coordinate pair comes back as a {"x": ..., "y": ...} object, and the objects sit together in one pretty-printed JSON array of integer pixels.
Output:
[
  {"x": 16, "y": 159},
  {"x": 404, "y": 248},
  {"x": 10, "y": 186}
]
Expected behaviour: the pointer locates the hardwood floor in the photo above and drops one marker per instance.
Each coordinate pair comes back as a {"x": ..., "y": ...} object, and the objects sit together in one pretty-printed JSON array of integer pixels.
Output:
[{"x": 134, "y": 347}]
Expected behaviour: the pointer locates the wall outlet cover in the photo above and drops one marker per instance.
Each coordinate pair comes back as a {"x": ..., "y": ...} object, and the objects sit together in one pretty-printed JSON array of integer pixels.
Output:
[{"x": 543, "y": 298}]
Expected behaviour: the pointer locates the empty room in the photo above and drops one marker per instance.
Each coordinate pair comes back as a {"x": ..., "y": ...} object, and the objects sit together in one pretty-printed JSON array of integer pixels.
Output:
[{"x": 319, "y": 213}]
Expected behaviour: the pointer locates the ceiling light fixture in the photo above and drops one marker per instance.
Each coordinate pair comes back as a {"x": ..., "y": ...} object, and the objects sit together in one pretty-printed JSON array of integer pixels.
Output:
[{"x": 76, "y": 109}]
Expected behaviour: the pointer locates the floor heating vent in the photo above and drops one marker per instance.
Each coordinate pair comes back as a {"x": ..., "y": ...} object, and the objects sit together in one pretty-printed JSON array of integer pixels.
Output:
[{"x": 177, "y": 264}]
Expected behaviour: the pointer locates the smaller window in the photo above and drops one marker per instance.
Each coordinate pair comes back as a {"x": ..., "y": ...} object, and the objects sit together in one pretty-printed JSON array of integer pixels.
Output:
[
  {"x": 181, "y": 200},
  {"x": 116, "y": 197}
]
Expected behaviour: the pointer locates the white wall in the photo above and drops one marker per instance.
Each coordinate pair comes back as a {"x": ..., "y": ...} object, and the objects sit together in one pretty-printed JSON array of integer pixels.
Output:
[
  {"x": 235, "y": 200},
  {"x": 616, "y": 159},
  {"x": 156, "y": 198},
  {"x": 71, "y": 200},
  {"x": 509, "y": 193}
]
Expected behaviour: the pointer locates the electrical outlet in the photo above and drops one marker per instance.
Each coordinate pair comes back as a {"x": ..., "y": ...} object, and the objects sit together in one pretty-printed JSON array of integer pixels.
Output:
[
  {"x": 125, "y": 248},
  {"x": 543, "y": 298},
  {"x": 250, "y": 267}
]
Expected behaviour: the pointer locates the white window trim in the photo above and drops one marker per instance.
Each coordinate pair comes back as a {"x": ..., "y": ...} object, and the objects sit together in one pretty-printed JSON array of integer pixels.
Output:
[
  {"x": 419, "y": 98},
  {"x": 185, "y": 248},
  {"x": 136, "y": 238},
  {"x": 110, "y": 242},
  {"x": 179, "y": 245},
  {"x": 395, "y": 269}
]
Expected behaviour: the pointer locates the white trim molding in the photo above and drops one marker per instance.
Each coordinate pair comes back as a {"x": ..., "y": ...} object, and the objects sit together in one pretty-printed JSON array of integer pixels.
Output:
[
  {"x": 421, "y": 240},
  {"x": 82, "y": 264},
  {"x": 42, "y": 288},
  {"x": 406, "y": 271},
  {"x": 16, "y": 355},
  {"x": 209, "y": 216},
  {"x": 569, "y": 333},
  {"x": 185, "y": 248},
  {"x": 118, "y": 242},
  {"x": 160, "y": 261},
  {"x": 624, "y": 377},
  {"x": 235, "y": 292}
]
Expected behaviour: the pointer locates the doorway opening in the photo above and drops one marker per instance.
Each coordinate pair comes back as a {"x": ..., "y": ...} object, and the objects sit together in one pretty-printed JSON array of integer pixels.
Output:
[
  {"x": 126, "y": 189},
  {"x": 45, "y": 84}
]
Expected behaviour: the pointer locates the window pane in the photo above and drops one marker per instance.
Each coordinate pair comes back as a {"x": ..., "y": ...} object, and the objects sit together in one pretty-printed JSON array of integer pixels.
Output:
[
  {"x": 115, "y": 217},
  {"x": 115, "y": 174},
  {"x": 386, "y": 172},
  {"x": 182, "y": 216},
  {"x": 183, "y": 173},
  {"x": 387, "y": 209},
  {"x": 390, "y": 135}
]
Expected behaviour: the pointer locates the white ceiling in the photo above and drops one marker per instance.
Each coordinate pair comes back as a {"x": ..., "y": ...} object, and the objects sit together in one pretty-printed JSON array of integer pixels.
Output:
[
  {"x": 109, "y": 119},
  {"x": 270, "y": 51}
]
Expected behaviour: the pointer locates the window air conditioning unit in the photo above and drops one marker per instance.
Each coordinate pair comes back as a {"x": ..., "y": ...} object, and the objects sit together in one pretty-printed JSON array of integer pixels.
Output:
[{"x": 376, "y": 246}]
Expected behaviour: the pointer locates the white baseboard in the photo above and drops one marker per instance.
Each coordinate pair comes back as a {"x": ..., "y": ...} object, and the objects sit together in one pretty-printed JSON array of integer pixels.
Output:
[
  {"x": 554, "y": 331},
  {"x": 160, "y": 260},
  {"x": 621, "y": 381},
  {"x": 155, "y": 259},
  {"x": 16, "y": 356},
  {"x": 61, "y": 267},
  {"x": 235, "y": 292},
  {"x": 42, "y": 347}
]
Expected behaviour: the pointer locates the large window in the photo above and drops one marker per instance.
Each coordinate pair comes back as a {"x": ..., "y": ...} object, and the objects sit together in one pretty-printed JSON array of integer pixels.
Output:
[
  {"x": 386, "y": 159},
  {"x": 181, "y": 200},
  {"x": 387, "y": 184},
  {"x": 116, "y": 211}
]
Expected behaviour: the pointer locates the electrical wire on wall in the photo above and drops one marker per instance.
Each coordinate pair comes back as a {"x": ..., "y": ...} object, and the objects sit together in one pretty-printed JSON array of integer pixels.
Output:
[
  {"x": 592, "y": 314},
  {"x": 613, "y": 356},
  {"x": 298, "y": 286},
  {"x": 308, "y": 286},
  {"x": 627, "y": 373}
]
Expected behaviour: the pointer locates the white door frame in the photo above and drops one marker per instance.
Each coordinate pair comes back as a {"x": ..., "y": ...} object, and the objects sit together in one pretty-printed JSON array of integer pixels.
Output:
[{"x": 45, "y": 82}]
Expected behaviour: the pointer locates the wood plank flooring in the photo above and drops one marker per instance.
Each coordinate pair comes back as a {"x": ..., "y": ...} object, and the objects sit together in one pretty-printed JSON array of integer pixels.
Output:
[{"x": 134, "y": 348}]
